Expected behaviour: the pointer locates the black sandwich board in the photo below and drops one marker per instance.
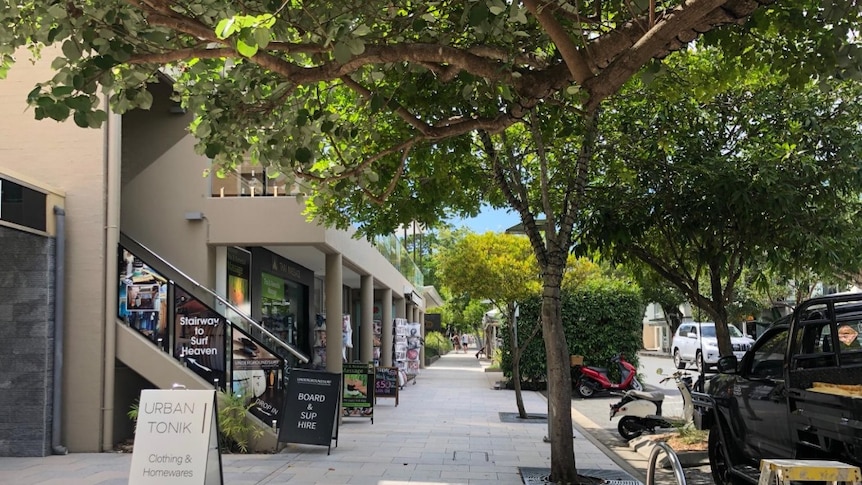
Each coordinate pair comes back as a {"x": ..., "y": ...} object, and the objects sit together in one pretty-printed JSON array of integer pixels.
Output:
[
  {"x": 310, "y": 412},
  {"x": 386, "y": 383}
]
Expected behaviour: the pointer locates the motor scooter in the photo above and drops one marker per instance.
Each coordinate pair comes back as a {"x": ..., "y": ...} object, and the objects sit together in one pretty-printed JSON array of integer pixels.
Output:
[
  {"x": 641, "y": 411},
  {"x": 594, "y": 379}
]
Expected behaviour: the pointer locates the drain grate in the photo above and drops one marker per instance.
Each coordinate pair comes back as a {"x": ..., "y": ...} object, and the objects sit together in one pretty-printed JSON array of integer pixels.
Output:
[
  {"x": 468, "y": 455},
  {"x": 540, "y": 476},
  {"x": 532, "y": 418}
]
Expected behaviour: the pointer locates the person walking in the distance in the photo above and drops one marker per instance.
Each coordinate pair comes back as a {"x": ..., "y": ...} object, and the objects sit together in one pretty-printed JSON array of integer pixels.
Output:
[{"x": 465, "y": 341}]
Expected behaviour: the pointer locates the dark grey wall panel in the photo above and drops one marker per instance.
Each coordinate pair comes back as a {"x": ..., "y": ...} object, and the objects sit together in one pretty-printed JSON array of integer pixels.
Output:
[{"x": 27, "y": 334}]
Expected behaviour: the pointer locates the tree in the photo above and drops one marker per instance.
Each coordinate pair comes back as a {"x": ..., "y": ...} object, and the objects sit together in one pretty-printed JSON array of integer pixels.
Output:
[
  {"x": 372, "y": 106},
  {"x": 658, "y": 290},
  {"x": 757, "y": 175},
  {"x": 499, "y": 268}
]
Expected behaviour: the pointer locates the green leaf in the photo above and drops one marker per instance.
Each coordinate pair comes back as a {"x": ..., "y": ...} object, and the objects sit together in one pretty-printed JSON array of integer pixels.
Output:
[
  {"x": 262, "y": 36},
  {"x": 302, "y": 117},
  {"x": 377, "y": 102},
  {"x": 303, "y": 155},
  {"x": 62, "y": 91},
  {"x": 361, "y": 30},
  {"x": 357, "y": 47},
  {"x": 57, "y": 111},
  {"x": 478, "y": 13},
  {"x": 57, "y": 11},
  {"x": 81, "y": 120},
  {"x": 342, "y": 53},
  {"x": 246, "y": 50},
  {"x": 213, "y": 149},
  {"x": 226, "y": 27},
  {"x": 71, "y": 50}
]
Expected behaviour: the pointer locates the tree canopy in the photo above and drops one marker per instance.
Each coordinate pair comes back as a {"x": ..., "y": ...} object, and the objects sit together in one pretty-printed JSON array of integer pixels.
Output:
[
  {"x": 758, "y": 175},
  {"x": 374, "y": 98}
]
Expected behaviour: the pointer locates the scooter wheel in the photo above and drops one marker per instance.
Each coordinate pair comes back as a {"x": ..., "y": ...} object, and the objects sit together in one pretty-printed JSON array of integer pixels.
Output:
[
  {"x": 583, "y": 388},
  {"x": 630, "y": 427}
]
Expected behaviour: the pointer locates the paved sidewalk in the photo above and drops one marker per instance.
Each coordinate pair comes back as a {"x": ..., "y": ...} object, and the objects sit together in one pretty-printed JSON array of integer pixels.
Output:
[{"x": 447, "y": 429}]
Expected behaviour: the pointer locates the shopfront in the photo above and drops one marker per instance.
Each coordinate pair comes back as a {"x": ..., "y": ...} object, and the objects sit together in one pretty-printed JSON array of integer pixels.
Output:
[{"x": 280, "y": 292}]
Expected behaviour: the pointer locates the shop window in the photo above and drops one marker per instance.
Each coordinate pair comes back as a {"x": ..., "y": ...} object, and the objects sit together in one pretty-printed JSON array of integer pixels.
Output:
[{"x": 22, "y": 205}]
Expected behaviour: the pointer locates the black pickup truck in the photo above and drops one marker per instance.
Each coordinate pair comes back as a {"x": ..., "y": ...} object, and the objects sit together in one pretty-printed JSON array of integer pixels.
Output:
[{"x": 797, "y": 394}]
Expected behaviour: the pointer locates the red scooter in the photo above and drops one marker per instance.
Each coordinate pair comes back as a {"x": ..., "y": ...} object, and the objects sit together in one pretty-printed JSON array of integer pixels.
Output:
[{"x": 590, "y": 380}]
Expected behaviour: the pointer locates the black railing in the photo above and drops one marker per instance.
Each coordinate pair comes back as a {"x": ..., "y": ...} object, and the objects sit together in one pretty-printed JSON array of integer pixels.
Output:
[{"x": 202, "y": 330}]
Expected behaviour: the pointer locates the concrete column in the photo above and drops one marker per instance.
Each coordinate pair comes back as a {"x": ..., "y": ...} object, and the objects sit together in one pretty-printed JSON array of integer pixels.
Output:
[
  {"x": 400, "y": 308},
  {"x": 421, "y": 321},
  {"x": 334, "y": 308},
  {"x": 386, "y": 341},
  {"x": 366, "y": 323}
]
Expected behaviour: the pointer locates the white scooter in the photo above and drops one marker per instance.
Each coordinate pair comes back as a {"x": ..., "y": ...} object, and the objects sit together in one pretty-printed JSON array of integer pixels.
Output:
[{"x": 641, "y": 411}]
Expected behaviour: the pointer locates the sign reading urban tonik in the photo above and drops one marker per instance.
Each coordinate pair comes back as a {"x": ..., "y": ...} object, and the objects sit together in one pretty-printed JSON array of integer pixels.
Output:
[
  {"x": 310, "y": 408},
  {"x": 176, "y": 439}
]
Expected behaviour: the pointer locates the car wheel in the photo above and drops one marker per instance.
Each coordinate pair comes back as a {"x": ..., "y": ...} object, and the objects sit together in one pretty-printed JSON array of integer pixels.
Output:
[
  {"x": 583, "y": 388},
  {"x": 630, "y": 427},
  {"x": 719, "y": 462},
  {"x": 698, "y": 361},
  {"x": 677, "y": 360}
]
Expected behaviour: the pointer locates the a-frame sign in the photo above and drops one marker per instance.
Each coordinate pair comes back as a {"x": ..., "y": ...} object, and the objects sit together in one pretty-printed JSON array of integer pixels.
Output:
[{"x": 176, "y": 439}]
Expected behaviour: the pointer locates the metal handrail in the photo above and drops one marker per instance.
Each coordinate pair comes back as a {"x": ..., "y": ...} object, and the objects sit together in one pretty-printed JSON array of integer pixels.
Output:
[
  {"x": 127, "y": 241},
  {"x": 671, "y": 456}
]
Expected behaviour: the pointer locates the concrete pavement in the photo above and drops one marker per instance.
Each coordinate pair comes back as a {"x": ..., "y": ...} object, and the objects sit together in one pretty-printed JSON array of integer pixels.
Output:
[{"x": 447, "y": 429}]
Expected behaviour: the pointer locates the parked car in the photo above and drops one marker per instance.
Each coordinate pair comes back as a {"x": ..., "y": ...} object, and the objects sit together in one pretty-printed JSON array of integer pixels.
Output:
[
  {"x": 795, "y": 395},
  {"x": 696, "y": 343}
]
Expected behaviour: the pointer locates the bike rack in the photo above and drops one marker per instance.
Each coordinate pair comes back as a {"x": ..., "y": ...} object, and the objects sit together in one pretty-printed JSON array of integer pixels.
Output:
[{"x": 671, "y": 456}]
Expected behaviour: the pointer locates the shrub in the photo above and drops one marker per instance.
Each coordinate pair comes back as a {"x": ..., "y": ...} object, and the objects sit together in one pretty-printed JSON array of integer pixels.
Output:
[
  {"x": 236, "y": 430},
  {"x": 437, "y": 344}
]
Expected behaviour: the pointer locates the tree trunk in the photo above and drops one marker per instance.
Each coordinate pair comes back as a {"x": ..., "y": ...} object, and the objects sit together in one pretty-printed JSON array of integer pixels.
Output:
[
  {"x": 563, "y": 468},
  {"x": 516, "y": 365}
]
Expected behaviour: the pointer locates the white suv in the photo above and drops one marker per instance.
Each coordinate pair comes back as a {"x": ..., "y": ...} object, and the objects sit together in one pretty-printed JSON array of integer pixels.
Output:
[{"x": 703, "y": 352}]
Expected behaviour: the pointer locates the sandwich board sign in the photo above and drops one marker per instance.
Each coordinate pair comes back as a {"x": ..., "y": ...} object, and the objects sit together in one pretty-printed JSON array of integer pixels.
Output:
[
  {"x": 311, "y": 407},
  {"x": 176, "y": 439}
]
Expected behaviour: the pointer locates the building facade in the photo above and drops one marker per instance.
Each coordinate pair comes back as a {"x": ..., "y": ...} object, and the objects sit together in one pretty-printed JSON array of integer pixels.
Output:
[{"x": 135, "y": 203}]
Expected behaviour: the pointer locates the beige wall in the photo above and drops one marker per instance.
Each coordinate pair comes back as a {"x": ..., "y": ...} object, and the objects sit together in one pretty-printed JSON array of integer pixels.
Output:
[
  {"x": 72, "y": 160},
  {"x": 162, "y": 180}
]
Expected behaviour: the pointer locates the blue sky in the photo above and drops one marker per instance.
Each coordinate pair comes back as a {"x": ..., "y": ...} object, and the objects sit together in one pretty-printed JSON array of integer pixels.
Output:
[{"x": 495, "y": 220}]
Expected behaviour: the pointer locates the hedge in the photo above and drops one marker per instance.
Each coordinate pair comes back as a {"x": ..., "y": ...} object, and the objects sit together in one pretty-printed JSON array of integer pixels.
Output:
[{"x": 601, "y": 319}]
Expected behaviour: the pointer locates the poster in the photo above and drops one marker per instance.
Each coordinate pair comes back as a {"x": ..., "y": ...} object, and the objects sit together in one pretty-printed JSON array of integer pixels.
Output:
[
  {"x": 377, "y": 336},
  {"x": 199, "y": 337},
  {"x": 257, "y": 375},
  {"x": 143, "y": 299},
  {"x": 238, "y": 271},
  {"x": 400, "y": 344},
  {"x": 414, "y": 346},
  {"x": 310, "y": 408},
  {"x": 357, "y": 395}
]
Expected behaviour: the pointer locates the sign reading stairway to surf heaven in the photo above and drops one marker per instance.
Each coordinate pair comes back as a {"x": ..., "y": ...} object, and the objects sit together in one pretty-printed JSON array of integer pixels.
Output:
[{"x": 176, "y": 439}]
